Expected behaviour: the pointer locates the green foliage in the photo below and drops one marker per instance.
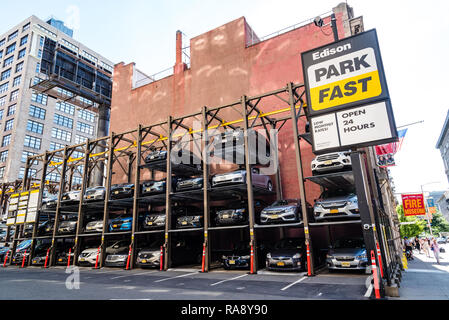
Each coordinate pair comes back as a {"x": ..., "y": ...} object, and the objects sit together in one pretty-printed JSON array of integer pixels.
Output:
[
  {"x": 410, "y": 230},
  {"x": 439, "y": 224}
]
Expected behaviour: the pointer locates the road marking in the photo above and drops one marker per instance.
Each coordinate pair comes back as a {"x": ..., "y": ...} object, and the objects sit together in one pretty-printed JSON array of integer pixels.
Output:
[
  {"x": 369, "y": 291},
  {"x": 292, "y": 284},
  {"x": 182, "y": 275},
  {"x": 133, "y": 274},
  {"x": 425, "y": 271},
  {"x": 241, "y": 276}
]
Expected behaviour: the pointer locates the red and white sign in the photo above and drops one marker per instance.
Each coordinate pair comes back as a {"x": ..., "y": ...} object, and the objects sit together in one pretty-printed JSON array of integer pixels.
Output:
[{"x": 413, "y": 204}]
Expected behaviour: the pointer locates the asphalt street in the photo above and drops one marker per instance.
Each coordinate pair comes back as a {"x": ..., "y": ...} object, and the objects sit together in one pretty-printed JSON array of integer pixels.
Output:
[{"x": 180, "y": 284}]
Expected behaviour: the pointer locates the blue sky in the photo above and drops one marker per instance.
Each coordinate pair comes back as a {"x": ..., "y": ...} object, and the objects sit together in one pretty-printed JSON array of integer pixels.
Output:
[{"x": 413, "y": 37}]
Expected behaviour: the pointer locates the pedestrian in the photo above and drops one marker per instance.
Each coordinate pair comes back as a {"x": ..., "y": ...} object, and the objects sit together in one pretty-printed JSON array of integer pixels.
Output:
[
  {"x": 436, "y": 250},
  {"x": 425, "y": 247},
  {"x": 417, "y": 245},
  {"x": 408, "y": 248}
]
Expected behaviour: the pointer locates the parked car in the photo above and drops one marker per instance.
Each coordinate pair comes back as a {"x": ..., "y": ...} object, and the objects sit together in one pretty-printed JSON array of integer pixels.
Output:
[
  {"x": 189, "y": 184},
  {"x": 336, "y": 204},
  {"x": 154, "y": 220},
  {"x": 22, "y": 249},
  {"x": 94, "y": 226},
  {"x": 188, "y": 217},
  {"x": 288, "y": 254},
  {"x": 240, "y": 256},
  {"x": 118, "y": 259},
  {"x": 46, "y": 228},
  {"x": 236, "y": 212},
  {"x": 49, "y": 202},
  {"x": 62, "y": 255},
  {"x": 95, "y": 193},
  {"x": 3, "y": 251},
  {"x": 183, "y": 251},
  {"x": 284, "y": 211},
  {"x": 156, "y": 187},
  {"x": 441, "y": 240},
  {"x": 123, "y": 223},
  {"x": 68, "y": 226},
  {"x": 239, "y": 177},
  {"x": 231, "y": 142},
  {"x": 88, "y": 256},
  {"x": 347, "y": 253},
  {"x": 183, "y": 156},
  {"x": 71, "y": 197},
  {"x": 331, "y": 162},
  {"x": 122, "y": 191}
]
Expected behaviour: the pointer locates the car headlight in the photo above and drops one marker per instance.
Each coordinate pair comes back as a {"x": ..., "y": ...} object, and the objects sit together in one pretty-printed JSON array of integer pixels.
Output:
[
  {"x": 362, "y": 256},
  {"x": 224, "y": 257},
  {"x": 245, "y": 257},
  {"x": 329, "y": 256},
  {"x": 240, "y": 211},
  {"x": 160, "y": 219},
  {"x": 297, "y": 256},
  {"x": 268, "y": 255},
  {"x": 127, "y": 221},
  {"x": 290, "y": 210}
]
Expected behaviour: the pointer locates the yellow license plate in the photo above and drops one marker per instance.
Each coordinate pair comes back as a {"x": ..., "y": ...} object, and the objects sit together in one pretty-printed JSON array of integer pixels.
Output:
[
  {"x": 82, "y": 259},
  {"x": 328, "y": 162},
  {"x": 231, "y": 261},
  {"x": 225, "y": 216},
  {"x": 334, "y": 210},
  {"x": 280, "y": 264},
  {"x": 60, "y": 260},
  {"x": 144, "y": 261},
  {"x": 345, "y": 264},
  {"x": 34, "y": 261},
  {"x": 115, "y": 226},
  {"x": 116, "y": 192},
  {"x": 184, "y": 223},
  {"x": 275, "y": 216},
  {"x": 150, "y": 223}
]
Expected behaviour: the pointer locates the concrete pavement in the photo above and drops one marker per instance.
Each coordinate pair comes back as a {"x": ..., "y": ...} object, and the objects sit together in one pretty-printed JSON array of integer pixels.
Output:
[{"x": 425, "y": 279}]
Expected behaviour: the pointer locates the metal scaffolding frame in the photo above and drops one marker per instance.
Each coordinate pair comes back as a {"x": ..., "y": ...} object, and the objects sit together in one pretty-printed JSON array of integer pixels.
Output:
[{"x": 125, "y": 152}]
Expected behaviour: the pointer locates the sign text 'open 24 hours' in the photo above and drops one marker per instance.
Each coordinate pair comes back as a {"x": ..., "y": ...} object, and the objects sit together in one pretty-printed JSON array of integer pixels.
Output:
[{"x": 344, "y": 74}]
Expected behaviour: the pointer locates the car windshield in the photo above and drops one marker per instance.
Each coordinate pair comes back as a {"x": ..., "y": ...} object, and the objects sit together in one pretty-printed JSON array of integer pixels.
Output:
[
  {"x": 336, "y": 193},
  {"x": 349, "y": 243},
  {"x": 285, "y": 202},
  {"x": 290, "y": 244},
  {"x": 23, "y": 244}
]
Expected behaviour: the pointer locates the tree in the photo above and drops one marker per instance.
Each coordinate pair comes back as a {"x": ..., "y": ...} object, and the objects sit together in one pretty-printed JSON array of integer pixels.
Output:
[
  {"x": 439, "y": 224},
  {"x": 410, "y": 230}
]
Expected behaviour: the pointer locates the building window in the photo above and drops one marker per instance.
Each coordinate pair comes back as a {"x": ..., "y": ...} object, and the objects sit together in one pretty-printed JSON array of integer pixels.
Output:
[
  {"x": 1, "y": 54},
  {"x": 2, "y": 42},
  {"x": 5, "y": 75},
  {"x": 77, "y": 180},
  {"x": 37, "y": 112},
  {"x": 19, "y": 67},
  {"x": 39, "y": 53},
  {"x": 8, "y": 61},
  {"x": 1, "y": 114},
  {"x": 16, "y": 81},
  {"x": 4, "y": 87},
  {"x": 26, "y": 154},
  {"x": 35, "y": 127},
  {"x": 63, "y": 92},
  {"x": 53, "y": 176},
  {"x": 21, "y": 53},
  {"x": 41, "y": 41},
  {"x": 80, "y": 139},
  {"x": 85, "y": 128},
  {"x": 63, "y": 121},
  {"x": 9, "y": 124},
  {"x": 38, "y": 67},
  {"x": 13, "y": 35},
  {"x": 14, "y": 95},
  {"x": 31, "y": 173},
  {"x": 56, "y": 146},
  {"x": 3, "y": 156},
  {"x": 24, "y": 40},
  {"x": 87, "y": 115},
  {"x": 26, "y": 27},
  {"x": 11, "y": 110},
  {"x": 32, "y": 142},
  {"x": 2, "y": 101},
  {"x": 10, "y": 49},
  {"x": 6, "y": 140},
  {"x": 61, "y": 134},
  {"x": 2, "y": 172},
  {"x": 65, "y": 107},
  {"x": 39, "y": 98}
]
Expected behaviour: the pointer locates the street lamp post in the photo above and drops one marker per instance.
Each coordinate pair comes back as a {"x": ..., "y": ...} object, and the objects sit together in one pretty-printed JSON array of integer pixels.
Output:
[{"x": 425, "y": 206}]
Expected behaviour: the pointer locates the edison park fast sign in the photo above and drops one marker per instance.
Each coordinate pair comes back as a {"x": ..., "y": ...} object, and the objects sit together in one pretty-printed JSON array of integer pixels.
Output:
[{"x": 347, "y": 96}]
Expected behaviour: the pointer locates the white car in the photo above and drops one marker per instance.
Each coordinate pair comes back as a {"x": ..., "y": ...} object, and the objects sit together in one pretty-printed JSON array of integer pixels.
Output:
[
  {"x": 336, "y": 206},
  {"x": 88, "y": 257},
  {"x": 95, "y": 226},
  {"x": 95, "y": 193},
  {"x": 331, "y": 162}
]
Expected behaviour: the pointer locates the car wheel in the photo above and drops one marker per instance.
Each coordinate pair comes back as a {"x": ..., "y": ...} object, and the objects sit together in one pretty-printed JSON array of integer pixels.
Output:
[
  {"x": 270, "y": 186},
  {"x": 226, "y": 267}
]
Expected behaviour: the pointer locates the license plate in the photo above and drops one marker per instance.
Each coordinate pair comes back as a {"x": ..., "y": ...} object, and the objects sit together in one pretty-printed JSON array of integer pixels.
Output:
[
  {"x": 280, "y": 264},
  {"x": 274, "y": 216},
  {"x": 116, "y": 192},
  {"x": 115, "y": 226},
  {"x": 328, "y": 162},
  {"x": 88, "y": 197},
  {"x": 345, "y": 264},
  {"x": 82, "y": 259},
  {"x": 150, "y": 223},
  {"x": 225, "y": 216},
  {"x": 184, "y": 223},
  {"x": 334, "y": 210},
  {"x": 60, "y": 260},
  {"x": 144, "y": 261},
  {"x": 34, "y": 261},
  {"x": 89, "y": 228},
  {"x": 231, "y": 261}
]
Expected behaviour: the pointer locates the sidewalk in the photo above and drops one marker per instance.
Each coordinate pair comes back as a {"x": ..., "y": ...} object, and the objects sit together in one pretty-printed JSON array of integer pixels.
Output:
[{"x": 425, "y": 279}]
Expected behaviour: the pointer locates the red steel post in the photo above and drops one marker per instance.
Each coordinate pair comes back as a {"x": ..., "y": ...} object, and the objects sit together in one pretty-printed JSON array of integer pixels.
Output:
[
  {"x": 375, "y": 276},
  {"x": 161, "y": 259},
  {"x": 68, "y": 260},
  {"x": 252, "y": 259},
  {"x": 24, "y": 258},
  {"x": 379, "y": 257},
  {"x": 46, "y": 258},
  {"x": 96, "y": 260},
  {"x": 309, "y": 272},
  {"x": 129, "y": 257},
  {"x": 6, "y": 258},
  {"x": 204, "y": 258}
]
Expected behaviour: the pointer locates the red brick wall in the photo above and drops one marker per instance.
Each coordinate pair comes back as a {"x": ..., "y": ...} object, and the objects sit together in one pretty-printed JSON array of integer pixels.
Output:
[{"x": 222, "y": 70}]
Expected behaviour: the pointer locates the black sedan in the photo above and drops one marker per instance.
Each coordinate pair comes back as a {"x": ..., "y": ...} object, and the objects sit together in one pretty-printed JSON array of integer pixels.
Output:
[
  {"x": 189, "y": 184},
  {"x": 122, "y": 191},
  {"x": 178, "y": 156},
  {"x": 157, "y": 187},
  {"x": 188, "y": 217},
  {"x": 240, "y": 256},
  {"x": 236, "y": 212},
  {"x": 154, "y": 220},
  {"x": 288, "y": 254}
]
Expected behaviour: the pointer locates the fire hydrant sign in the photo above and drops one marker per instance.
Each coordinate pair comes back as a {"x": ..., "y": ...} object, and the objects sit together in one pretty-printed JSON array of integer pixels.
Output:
[
  {"x": 344, "y": 74},
  {"x": 413, "y": 204},
  {"x": 356, "y": 127}
]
